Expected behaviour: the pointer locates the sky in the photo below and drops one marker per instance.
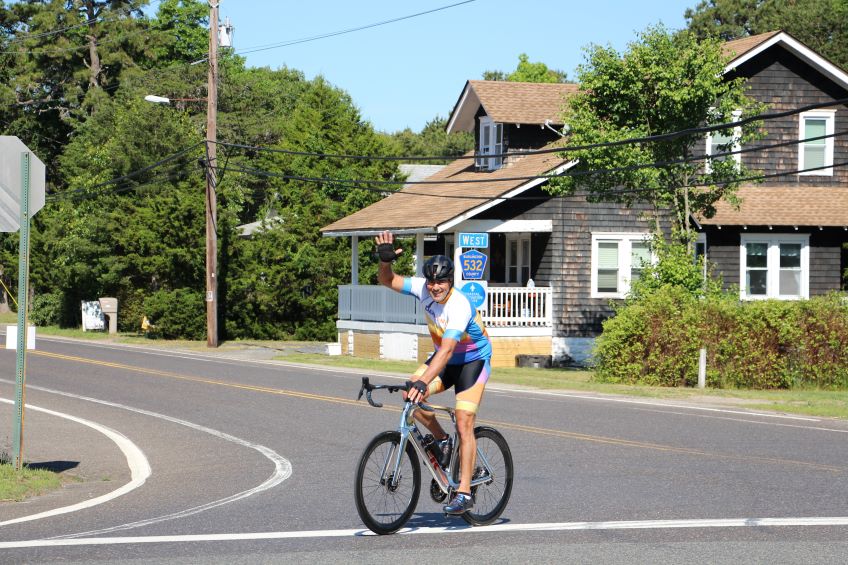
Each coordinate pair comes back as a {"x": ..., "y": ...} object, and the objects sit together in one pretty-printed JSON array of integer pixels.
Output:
[{"x": 405, "y": 73}]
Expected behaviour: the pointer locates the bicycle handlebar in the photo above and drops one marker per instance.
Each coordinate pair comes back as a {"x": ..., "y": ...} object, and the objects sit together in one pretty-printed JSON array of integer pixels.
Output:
[{"x": 367, "y": 388}]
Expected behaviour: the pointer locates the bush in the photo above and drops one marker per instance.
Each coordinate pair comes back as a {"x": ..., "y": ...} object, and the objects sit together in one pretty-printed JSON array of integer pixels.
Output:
[
  {"x": 758, "y": 344},
  {"x": 46, "y": 309},
  {"x": 177, "y": 314}
]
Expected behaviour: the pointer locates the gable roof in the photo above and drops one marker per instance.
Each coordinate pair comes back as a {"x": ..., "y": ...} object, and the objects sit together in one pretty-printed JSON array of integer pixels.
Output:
[
  {"x": 747, "y": 48},
  {"x": 510, "y": 103},
  {"x": 786, "y": 205},
  {"x": 433, "y": 208}
]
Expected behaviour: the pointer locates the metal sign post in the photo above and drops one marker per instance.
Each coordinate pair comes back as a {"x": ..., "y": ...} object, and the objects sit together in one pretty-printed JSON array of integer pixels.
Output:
[{"x": 23, "y": 287}]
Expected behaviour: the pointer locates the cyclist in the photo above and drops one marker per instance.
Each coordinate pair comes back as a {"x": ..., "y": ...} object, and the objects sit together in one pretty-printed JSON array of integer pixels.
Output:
[{"x": 461, "y": 360}]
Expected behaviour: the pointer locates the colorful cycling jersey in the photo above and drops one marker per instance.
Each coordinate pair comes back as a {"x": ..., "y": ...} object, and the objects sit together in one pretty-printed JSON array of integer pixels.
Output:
[{"x": 455, "y": 318}]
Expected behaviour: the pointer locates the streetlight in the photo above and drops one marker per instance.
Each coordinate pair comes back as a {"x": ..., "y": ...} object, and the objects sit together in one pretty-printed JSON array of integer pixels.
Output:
[{"x": 211, "y": 156}]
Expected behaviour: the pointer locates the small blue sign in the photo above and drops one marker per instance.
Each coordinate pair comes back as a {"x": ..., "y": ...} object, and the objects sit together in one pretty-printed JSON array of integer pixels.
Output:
[
  {"x": 480, "y": 240},
  {"x": 472, "y": 263},
  {"x": 476, "y": 293}
]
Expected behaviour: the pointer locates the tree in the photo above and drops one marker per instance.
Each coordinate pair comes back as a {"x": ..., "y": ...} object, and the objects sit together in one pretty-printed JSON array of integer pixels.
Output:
[
  {"x": 663, "y": 83},
  {"x": 820, "y": 24},
  {"x": 432, "y": 140},
  {"x": 527, "y": 72}
]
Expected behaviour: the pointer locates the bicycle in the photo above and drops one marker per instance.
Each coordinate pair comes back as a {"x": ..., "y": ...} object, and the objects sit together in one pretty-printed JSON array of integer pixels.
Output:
[{"x": 388, "y": 477}]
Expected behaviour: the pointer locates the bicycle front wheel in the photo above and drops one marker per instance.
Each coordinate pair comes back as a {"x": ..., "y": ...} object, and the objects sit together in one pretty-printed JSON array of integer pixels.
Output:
[
  {"x": 494, "y": 460},
  {"x": 384, "y": 499}
]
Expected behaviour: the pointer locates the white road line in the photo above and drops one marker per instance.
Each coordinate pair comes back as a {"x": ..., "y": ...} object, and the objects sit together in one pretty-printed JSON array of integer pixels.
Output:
[
  {"x": 282, "y": 466},
  {"x": 496, "y": 528},
  {"x": 137, "y": 462}
]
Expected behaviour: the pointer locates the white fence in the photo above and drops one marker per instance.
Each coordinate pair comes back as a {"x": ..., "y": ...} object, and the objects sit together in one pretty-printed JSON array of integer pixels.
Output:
[{"x": 505, "y": 306}]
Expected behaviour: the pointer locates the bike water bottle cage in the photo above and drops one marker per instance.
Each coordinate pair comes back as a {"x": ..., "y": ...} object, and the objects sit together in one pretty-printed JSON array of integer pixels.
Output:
[
  {"x": 438, "y": 268},
  {"x": 386, "y": 252}
]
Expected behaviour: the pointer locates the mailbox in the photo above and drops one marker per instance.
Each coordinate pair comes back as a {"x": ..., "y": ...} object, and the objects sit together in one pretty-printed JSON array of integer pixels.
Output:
[{"x": 109, "y": 307}]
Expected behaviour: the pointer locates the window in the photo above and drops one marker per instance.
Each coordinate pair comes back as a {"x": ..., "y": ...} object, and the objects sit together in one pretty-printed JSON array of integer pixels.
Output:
[
  {"x": 723, "y": 141},
  {"x": 517, "y": 259},
  {"x": 816, "y": 152},
  {"x": 491, "y": 143},
  {"x": 774, "y": 266},
  {"x": 617, "y": 260},
  {"x": 701, "y": 252}
]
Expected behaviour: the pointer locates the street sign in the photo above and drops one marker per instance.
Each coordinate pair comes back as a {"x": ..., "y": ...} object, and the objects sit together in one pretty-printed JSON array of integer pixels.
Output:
[
  {"x": 11, "y": 149},
  {"x": 472, "y": 263},
  {"x": 476, "y": 293},
  {"x": 480, "y": 240}
]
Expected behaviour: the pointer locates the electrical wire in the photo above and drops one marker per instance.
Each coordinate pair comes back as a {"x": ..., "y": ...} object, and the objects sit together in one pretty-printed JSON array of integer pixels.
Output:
[
  {"x": 629, "y": 141},
  {"x": 344, "y": 31}
]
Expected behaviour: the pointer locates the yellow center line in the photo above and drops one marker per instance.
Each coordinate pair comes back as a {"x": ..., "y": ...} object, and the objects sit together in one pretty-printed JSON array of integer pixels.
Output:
[{"x": 497, "y": 424}]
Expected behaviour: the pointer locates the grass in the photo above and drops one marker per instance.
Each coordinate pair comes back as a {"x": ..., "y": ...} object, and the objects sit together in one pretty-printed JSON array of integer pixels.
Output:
[{"x": 16, "y": 486}]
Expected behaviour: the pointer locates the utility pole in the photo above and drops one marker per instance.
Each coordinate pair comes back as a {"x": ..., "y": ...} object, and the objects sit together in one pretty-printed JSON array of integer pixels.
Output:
[{"x": 211, "y": 178}]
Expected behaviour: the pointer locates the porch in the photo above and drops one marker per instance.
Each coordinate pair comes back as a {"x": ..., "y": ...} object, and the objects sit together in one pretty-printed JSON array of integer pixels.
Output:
[{"x": 378, "y": 323}]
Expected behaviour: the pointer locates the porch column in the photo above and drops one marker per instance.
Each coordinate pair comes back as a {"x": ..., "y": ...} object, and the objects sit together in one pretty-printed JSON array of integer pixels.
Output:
[
  {"x": 354, "y": 259},
  {"x": 419, "y": 253},
  {"x": 457, "y": 251}
]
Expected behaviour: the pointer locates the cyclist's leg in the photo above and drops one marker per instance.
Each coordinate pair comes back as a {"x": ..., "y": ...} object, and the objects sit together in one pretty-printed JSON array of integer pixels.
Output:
[{"x": 469, "y": 393}]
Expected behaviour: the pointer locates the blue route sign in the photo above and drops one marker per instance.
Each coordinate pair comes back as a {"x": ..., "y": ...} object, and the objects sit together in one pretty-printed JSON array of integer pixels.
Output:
[
  {"x": 480, "y": 240},
  {"x": 476, "y": 293},
  {"x": 472, "y": 263}
]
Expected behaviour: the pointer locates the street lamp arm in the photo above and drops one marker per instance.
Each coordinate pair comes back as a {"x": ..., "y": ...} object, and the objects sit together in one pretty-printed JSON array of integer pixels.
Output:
[{"x": 164, "y": 100}]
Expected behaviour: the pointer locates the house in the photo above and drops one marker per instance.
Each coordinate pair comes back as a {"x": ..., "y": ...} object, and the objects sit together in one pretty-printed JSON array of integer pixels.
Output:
[{"x": 786, "y": 240}]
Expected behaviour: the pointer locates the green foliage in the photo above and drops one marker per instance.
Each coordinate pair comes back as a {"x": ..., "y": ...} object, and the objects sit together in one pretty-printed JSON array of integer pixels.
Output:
[
  {"x": 528, "y": 72},
  {"x": 46, "y": 309},
  {"x": 675, "y": 266},
  {"x": 663, "y": 83},
  {"x": 820, "y": 24},
  {"x": 766, "y": 344},
  {"x": 179, "y": 313},
  {"x": 432, "y": 140}
]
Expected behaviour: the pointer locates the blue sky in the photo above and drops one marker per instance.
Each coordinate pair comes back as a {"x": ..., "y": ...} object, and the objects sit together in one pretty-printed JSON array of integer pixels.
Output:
[{"x": 405, "y": 73}]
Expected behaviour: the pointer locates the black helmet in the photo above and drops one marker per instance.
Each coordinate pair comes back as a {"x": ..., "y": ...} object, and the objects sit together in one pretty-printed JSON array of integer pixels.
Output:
[{"x": 438, "y": 268}]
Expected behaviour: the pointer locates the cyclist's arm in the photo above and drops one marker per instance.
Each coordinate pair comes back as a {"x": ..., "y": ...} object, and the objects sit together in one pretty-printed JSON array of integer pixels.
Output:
[
  {"x": 387, "y": 277},
  {"x": 439, "y": 360}
]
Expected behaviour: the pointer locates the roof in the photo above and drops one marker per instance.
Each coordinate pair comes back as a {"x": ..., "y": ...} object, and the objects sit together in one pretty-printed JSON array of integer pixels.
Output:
[
  {"x": 415, "y": 172},
  {"x": 432, "y": 208},
  {"x": 510, "y": 103},
  {"x": 789, "y": 205},
  {"x": 746, "y": 48}
]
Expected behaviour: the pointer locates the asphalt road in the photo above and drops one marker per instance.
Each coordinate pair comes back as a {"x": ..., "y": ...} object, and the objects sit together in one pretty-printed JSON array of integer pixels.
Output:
[{"x": 253, "y": 462}]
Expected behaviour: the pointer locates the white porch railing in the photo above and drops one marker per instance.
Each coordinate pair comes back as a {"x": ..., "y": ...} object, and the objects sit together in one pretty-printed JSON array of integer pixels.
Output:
[{"x": 517, "y": 307}]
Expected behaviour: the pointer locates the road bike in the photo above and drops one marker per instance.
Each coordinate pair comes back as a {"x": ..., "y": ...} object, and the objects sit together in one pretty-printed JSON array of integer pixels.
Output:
[{"x": 388, "y": 477}]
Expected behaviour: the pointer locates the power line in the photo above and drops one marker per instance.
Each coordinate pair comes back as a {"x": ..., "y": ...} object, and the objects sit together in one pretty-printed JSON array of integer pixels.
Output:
[
  {"x": 629, "y": 141},
  {"x": 344, "y": 31},
  {"x": 362, "y": 184}
]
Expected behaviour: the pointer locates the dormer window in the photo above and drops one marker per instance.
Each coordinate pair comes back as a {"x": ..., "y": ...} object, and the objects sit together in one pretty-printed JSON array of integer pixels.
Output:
[{"x": 490, "y": 143}]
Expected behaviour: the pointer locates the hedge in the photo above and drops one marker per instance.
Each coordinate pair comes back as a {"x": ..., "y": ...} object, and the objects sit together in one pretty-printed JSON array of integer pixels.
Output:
[{"x": 763, "y": 344}]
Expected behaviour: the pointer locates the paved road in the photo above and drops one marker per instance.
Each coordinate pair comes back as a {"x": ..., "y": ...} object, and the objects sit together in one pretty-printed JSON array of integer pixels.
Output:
[{"x": 242, "y": 461}]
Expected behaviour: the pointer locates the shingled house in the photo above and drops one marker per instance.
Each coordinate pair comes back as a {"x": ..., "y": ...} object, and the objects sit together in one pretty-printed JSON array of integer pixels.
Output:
[{"x": 786, "y": 240}]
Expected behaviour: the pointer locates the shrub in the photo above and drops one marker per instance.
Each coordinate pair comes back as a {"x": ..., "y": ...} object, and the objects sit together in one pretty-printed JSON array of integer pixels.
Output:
[
  {"x": 177, "y": 314},
  {"x": 46, "y": 309}
]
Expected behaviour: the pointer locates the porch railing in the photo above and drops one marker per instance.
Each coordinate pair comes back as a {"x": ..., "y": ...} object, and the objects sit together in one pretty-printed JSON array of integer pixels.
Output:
[{"x": 505, "y": 306}]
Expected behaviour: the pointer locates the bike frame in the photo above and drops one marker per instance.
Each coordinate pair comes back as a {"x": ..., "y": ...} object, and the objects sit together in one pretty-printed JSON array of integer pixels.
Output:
[{"x": 409, "y": 431}]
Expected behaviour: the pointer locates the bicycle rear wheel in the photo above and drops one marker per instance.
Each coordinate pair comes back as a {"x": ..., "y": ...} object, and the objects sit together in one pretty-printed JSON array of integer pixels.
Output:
[
  {"x": 495, "y": 460},
  {"x": 385, "y": 508}
]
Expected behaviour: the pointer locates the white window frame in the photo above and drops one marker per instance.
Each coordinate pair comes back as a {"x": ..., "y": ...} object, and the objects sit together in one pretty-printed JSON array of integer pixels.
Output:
[
  {"x": 625, "y": 241},
  {"x": 737, "y": 145},
  {"x": 494, "y": 147},
  {"x": 830, "y": 124},
  {"x": 522, "y": 261},
  {"x": 773, "y": 264},
  {"x": 702, "y": 241}
]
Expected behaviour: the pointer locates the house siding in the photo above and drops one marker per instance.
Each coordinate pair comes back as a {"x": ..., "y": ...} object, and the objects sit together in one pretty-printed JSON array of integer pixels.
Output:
[
  {"x": 827, "y": 257},
  {"x": 784, "y": 82}
]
